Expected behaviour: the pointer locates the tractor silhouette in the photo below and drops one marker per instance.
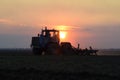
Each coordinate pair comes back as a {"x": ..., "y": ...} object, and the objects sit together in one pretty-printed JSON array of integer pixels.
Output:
[{"x": 48, "y": 43}]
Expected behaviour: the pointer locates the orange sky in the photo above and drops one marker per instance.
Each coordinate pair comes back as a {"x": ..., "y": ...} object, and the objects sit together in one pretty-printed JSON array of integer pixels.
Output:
[{"x": 90, "y": 22}]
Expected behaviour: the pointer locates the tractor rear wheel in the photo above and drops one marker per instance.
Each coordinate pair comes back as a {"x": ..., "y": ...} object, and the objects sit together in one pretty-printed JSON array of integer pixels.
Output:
[{"x": 52, "y": 48}]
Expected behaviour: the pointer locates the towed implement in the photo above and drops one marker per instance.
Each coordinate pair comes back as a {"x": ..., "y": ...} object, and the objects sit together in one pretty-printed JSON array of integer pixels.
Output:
[{"x": 48, "y": 43}]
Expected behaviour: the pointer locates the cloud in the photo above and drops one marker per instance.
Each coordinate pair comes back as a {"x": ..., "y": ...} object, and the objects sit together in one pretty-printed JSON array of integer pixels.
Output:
[
  {"x": 16, "y": 29},
  {"x": 6, "y": 21}
]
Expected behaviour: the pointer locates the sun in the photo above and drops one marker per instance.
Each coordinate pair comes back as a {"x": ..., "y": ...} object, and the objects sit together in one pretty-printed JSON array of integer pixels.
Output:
[
  {"x": 63, "y": 31},
  {"x": 62, "y": 35}
]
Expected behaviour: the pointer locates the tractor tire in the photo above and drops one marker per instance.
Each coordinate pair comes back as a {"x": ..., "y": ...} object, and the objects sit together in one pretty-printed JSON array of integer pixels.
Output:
[{"x": 52, "y": 49}]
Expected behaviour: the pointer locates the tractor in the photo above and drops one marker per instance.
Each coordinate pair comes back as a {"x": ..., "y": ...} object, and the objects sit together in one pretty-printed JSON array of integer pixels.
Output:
[{"x": 48, "y": 43}]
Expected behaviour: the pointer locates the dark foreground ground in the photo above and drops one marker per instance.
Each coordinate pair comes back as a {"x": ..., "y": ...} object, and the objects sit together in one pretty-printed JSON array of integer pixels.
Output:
[{"x": 23, "y": 65}]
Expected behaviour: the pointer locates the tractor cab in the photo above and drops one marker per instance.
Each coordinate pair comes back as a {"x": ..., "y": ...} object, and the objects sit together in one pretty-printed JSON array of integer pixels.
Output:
[
  {"x": 46, "y": 41},
  {"x": 48, "y": 36}
]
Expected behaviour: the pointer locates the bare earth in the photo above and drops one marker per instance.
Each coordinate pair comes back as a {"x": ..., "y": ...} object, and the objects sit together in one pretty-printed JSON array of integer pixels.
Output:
[{"x": 23, "y": 65}]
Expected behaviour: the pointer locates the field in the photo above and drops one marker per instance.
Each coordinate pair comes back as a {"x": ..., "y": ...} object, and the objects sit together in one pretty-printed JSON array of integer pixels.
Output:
[{"x": 23, "y": 65}]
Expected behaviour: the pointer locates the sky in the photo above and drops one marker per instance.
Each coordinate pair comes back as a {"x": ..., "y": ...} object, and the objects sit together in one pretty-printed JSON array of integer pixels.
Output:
[{"x": 88, "y": 22}]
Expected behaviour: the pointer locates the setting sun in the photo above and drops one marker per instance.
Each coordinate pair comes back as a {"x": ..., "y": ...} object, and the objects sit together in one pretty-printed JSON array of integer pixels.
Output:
[
  {"x": 63, "y": 32},
  {"x": 62, "y": 35}
]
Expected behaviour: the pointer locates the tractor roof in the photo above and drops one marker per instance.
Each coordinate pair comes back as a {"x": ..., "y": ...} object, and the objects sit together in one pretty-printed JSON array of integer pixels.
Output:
[{"x": 50, "y": 30}]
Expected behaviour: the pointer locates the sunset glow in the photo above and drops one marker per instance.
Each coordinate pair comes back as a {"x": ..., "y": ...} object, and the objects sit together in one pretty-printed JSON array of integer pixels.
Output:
[
  {"x": 63, "y": 31},
  {"x": 62, "y": 35},
  {"x": 88, "y": 22},
  {"x": 61, "y": 27}
]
